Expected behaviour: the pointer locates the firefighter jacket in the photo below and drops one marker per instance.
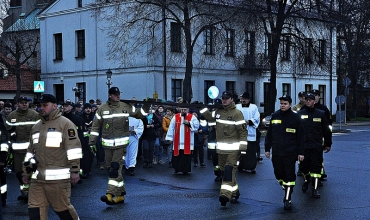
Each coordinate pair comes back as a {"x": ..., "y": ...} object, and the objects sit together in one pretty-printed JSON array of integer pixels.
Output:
[
  {"x": 4, "y": 147},
  {"x": 231, "y": 132},
  {"x": 111, "y": 119},
  {"x": 19, "y": 124},
  {"x": 55, "y": 148},
  {"x": 285, "y": 134},
  {"x": 316, "y": 127}
]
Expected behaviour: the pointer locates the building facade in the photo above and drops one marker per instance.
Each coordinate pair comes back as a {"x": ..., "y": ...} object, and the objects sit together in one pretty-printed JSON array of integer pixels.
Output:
[{"x": 76, "y": 57}]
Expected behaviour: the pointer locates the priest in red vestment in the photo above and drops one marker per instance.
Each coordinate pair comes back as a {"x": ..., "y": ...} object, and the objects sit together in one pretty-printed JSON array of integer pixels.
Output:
[{"x": 181, "y": 133}]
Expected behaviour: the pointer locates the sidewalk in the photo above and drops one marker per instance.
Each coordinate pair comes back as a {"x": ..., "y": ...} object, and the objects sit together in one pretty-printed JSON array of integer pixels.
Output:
[{"x": 342, "y": 128}]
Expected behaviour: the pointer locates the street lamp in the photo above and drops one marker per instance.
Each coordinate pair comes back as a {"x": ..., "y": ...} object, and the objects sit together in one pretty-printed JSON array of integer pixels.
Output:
[{"x": 109, "y": 78}]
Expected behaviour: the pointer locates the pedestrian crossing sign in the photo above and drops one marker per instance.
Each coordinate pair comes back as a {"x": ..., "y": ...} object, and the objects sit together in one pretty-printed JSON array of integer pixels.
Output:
[{"x": 38, "y": 86}]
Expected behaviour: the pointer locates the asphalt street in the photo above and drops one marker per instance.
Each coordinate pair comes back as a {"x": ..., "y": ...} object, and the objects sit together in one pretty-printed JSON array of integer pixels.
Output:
[{"x": 158, "y": 193}]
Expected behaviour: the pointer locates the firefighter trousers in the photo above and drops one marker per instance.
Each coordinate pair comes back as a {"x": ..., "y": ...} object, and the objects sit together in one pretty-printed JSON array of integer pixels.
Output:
[
  {"x": 57, "y": 194},
  {"x": 228, "y": 165},
  {"x": 114, "y": 159}
]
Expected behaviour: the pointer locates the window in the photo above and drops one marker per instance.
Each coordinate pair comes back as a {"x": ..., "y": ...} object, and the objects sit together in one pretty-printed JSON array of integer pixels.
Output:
[
  {"x": 79, "y": 3},
  {"x": 209, "y": 40},
  {"x": 175, "y": 37},
  {"x": 250, "y": 43},
  {"x": 82, "y": 91},
  {"x": 267, "y": 43},
  {"x": 322, "y": 51},
  {"x": 322, "y": 89},
  {"x": 58, "y": 47},
  {"x": 207, "y": 84},
  {"x": 14, "y": 3},
  {"x": 286, "y": 89},
  {"x": 230, "y": 86},
  {"x": 230, "y": 39},
  {"x": 266, "y": 90},
  {"x": 80, "y": 36},
  {"x": 249, "y": 87},
  {"x": 308, "y": 87},
  {"x": 176, "y": 87},
  {"x": 286, "y": 48},
  {"x": 308, "y": 51}
]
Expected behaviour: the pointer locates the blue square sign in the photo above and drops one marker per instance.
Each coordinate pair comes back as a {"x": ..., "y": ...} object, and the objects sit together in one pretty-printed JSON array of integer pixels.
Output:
[{"x": 38, "y": 86}]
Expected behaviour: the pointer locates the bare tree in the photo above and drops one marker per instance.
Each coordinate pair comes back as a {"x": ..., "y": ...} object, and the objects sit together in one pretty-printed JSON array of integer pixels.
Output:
[
  {"x": 282, "y": 18},
  {"x": 19, "y": 43},
  {"x": 143, "y": 19},
  {"x": 353, "y": 35}
]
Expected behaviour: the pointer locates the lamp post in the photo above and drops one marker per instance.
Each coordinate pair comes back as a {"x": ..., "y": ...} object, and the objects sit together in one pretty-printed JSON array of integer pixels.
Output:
[{"x": 109, "y": 78}]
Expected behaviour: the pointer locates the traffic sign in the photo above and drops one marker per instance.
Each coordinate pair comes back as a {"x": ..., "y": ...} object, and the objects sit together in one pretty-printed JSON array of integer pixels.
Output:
[
  {"x": 346, "y": 82},
  {"x": 38, "y": 86},
  {"x": 340, "y": 100}
]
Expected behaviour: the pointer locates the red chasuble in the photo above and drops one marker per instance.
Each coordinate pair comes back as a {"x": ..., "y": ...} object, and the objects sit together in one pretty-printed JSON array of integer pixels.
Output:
[{"x": 187, "y": 134}]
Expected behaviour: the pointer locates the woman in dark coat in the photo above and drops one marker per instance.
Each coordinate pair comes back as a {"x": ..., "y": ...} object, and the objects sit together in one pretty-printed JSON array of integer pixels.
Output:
[{"x": 151, "y": 124}]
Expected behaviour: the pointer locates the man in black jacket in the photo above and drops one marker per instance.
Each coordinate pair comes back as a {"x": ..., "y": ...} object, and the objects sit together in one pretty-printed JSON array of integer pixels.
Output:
[
  {"x": 88, "y": 156},
  {"x": 80, "y": 124},
  {"x": 316, "y": 128},
  {"x": 285, "y": 136}
]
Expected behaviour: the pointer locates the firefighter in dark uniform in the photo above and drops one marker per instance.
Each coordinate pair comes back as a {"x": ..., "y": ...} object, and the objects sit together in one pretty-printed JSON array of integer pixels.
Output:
[
  {"x": 19, "y": 124},
  {"x": 211, "y": 148},
  {"x": 329, "y": 119},
  {"x": 81, "y": 129},
  {"x": 285, "y": 136},
  {"x": 4, "y": 150},
  {"x": 88, "y": 154},
  {"x": 230, "y": 134},
  {"x": 111, "y": 119},
  {"x": 52, "y": 162},
  {"x": 316, "y": 128}
]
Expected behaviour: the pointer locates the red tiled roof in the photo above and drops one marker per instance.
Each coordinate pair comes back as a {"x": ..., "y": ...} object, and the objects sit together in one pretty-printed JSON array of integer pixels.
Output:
[{"x": 9, "y": 83}]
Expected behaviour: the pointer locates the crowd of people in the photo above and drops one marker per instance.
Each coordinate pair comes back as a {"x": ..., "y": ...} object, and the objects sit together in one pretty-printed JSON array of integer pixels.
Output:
[{"x": 117, "y": 134}]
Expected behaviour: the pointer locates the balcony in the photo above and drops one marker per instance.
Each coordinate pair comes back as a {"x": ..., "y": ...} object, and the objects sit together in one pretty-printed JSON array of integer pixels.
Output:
[{"x": 258, "y": 62}]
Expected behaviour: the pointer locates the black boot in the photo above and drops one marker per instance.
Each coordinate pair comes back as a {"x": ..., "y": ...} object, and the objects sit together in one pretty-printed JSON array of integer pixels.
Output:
[
  {"x": 315, "y": 192},
  {"x": 306, "y": 178},
  {"x": 131, "y": 171},
  {"x": 288, "y": 197}
]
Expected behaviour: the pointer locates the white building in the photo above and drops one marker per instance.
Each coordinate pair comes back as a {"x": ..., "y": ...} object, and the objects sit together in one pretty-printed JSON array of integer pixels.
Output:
[{"x": 75, "y": 46}]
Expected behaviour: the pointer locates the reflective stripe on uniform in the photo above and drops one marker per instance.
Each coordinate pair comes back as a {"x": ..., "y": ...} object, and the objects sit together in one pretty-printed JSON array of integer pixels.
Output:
[
  {"x": 24, "y": 186},
  {"x": 229, "y": 188},
  {"x": 20, "y": 146},
  {"x": 227, "y": 122},
  {"x": 119, "y": 115},
  {"x": 4, "y": 147},
  {"x": 57, "y": 174},
  {"x": 203, "y": 110},
  {"x": 115, "y": 142},
  {"x": 75, "y": 153},
  {"x": 93, "y": 133},
  {"x": 3, "y": 188},
  {"x": 315, "y": 175},
  {"x": 116, "y": 183},
  {"x": 22, "y": 123},
  {"x": 211, "y": 145},
  {"x": 288, "y": 183},
  {"x": 28, "y": 156},
  {"x": 143, "y": 113},
  {"x": 86, "y": 134},
  {"x": 34, "y": 175},
  {"x": 226, "y": 146},
  {"x": 211, "y": 123}
]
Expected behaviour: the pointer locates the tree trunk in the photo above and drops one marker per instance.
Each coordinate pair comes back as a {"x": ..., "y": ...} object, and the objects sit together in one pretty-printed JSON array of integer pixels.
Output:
[{"x": 187, "y": 88}]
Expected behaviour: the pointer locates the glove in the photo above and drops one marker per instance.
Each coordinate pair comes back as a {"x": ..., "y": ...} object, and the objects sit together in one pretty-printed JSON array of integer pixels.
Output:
[{"x": 93, "y": 149}]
